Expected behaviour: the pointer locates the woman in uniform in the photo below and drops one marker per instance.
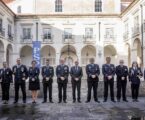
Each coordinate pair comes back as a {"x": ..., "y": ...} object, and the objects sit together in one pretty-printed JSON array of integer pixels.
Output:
[
  {"x": 34, "y": 83},
  {"x": 135, "y": 74}
]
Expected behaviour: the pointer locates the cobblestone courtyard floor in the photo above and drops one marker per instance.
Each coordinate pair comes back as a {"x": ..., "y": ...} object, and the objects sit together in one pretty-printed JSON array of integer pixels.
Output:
[{"x": 73, "y": 111}]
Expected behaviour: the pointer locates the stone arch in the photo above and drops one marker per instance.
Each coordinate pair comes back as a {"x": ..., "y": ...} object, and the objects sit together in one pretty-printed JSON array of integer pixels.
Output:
[
  {"x": 26, "y": 55},
  {"x": 48, "y": 52},
  {"x": 110, "y": 51},
  {"x": 88, "y": 52}
]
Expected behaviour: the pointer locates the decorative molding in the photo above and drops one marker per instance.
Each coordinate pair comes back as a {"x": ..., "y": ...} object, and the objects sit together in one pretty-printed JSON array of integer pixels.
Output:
[{"x": 26, "y": 24}]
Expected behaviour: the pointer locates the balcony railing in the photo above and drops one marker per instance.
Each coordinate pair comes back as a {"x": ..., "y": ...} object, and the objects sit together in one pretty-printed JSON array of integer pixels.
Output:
[
  {"x": 2, "y": 32},
  {"x": 109, "y": 39},
  {"x": 68, "y": 39},
  {"x": 47, "y": 39},
  {"x": 89, "y": 39},
  {"x": 26, "y": 39},
  {"x": 135, "y": 31},
  {"x": 10, "y": 37},
  {"x": 126, "y": 35}
]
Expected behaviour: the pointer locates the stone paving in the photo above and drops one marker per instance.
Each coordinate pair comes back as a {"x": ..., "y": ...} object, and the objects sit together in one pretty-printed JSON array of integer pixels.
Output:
[{"x": 73, "y": 111}]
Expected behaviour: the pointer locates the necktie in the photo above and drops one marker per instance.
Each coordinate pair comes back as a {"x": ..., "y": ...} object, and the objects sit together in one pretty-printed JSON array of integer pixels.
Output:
[{"x": 76, "y": 68}]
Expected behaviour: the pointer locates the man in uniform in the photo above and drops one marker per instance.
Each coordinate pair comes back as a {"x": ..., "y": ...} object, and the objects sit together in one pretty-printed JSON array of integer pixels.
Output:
[
  {"x": 20, "y": 75},
  {"x": 122, "y": 73},
  {"x": 5, "y": 79},
  {"x": 93, "y": 72},
  {"x": 76, "y": 75},
  {"x": 47, "y": 74},
  {"x": 62, "y": 73},
  {"x": 108, "y": 71}
]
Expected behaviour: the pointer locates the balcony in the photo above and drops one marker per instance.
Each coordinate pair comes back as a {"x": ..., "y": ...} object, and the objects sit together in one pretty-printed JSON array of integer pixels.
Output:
[
  {"x": 10, "y": 37},
  {"x": 26, "y": 39},
  {"x": 109, "y": 39},
  {"x": 68, "y": 39},
  {"x": 47, "y": 39},
  {"x": 2, "y": 32},
  {"x": 126, "y": 36},
  {"x": 135, "y": 31},
  {"x": 89, "y": 39}
]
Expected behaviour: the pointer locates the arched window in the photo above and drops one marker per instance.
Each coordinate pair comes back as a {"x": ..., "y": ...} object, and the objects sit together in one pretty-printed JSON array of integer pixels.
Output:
[
  {"x": 58, "y": 6},
  {"x": 98, "y": 5}
]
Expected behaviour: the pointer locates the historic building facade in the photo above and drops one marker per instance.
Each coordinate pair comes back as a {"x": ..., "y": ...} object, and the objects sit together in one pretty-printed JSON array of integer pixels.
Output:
[{"x": 73, "y": 30}]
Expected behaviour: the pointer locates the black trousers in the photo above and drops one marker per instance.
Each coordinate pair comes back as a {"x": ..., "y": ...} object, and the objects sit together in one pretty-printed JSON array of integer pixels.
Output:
[
  {"x": 47, "y": 86},
  {"x": 107, "y": 84},
  {"x": 5, "y": 91},
  {"x": 121, "y": 88},
  {"x": 23, "y": 89},
  {"x": 62, "y": 90},
  {"x": 92, "y": 84},
  {"x": 76, "y": 85},
  {"x": 135, "y": 90}
]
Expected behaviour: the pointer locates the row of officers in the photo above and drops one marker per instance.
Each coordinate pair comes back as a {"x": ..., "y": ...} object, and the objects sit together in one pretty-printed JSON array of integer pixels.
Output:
[{"x": 21, "y": 74}]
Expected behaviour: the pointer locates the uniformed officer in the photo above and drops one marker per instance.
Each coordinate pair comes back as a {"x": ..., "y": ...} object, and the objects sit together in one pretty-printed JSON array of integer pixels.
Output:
[
  {"x": 76, "y": 75},
  {"x": 135, "y": 74},
  {"x": 93, "y": 72},
  {"x": 5, "y": 79},
  {"x": 122, "y": 73},
  {"x": 47, "y": 74},
  {"x": 34, "y": 82},
  {"x": 62, "y": 73},
  {"x": 108, "y": 71},
  {"x": 20, "y": 75}
]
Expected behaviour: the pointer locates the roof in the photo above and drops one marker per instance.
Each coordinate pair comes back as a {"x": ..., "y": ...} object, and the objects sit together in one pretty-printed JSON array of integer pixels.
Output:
[
  {"x": 7, "y": 1},
  {"x": 2, "y": 1},
  {"x": 126, "y": 0}
]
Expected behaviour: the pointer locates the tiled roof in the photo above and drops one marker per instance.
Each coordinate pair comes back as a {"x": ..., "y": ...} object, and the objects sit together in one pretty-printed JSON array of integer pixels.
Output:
[{"x": 7, "y": 1}]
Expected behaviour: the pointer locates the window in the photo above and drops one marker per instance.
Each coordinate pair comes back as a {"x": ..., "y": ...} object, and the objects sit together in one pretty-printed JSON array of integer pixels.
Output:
[
  {"x": 89, "y": 32},
  {"x": 98, "y": 5},
  {"x": 136, "y": 22},
  {"x": 47, "y": 33},
  {"x": 67, "y": 33},
  {"x": 9, "y": 30},
  {"x": 1, "y": 25},
  {"x": 109, "y": 33},
  {"x": 58, "y": 6},
  {"x": 26, "y": 33},
  {"x": 19, "y": 10}
]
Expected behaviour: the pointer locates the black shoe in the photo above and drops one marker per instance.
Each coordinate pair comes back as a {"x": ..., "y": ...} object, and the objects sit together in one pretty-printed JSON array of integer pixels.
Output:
[
  {"x": 137, "y": 100},
  {"x": 74, "y": 101},
  {"x": 87, "y": 101},
  {"x": 59, "y": 101},
  {"x": 24, "y": 101},
  {"x": 97, "y": 101},
  {"x": 113, "y": 101},
  {"x": 105, "y": 101},
  {"x": 51, "y": 101},
  {"x": 125, "y": 100},
  {"x": 6, "y": 102},
  {"x": 64, "y": 101},
  {"x": 44, "y": 101},
  {"x": 79, "y": 101},
  {"x": 34, "y": 102},
  {"x": 15, "y": 102},
  {"x": 133, "y": 100}
]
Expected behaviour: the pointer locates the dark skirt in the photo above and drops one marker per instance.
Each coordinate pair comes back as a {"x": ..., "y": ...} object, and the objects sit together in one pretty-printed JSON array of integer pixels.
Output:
[{"x": 34, "y": 86}]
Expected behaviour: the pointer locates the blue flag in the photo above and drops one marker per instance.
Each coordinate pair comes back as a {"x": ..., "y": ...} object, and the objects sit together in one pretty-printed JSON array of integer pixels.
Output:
[{"x": 36, "y": 52}]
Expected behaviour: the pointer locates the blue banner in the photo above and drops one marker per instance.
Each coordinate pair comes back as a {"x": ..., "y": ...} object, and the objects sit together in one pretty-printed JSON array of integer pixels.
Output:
[{"x": 36, "y": 52}]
